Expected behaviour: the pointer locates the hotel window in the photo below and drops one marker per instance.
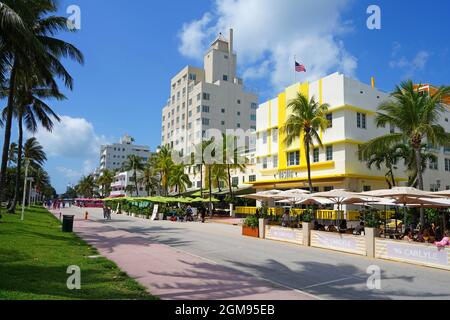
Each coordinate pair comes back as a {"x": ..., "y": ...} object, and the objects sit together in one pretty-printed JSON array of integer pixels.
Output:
[
  {"x": 239, "y": 113},
  {"x": 264, "y": 163},
  {"x": 222, "y": 123},
  {"x": 225, "y": 77},
  {"x": 329, "y": 153},
  {"x": 275, "y": 135},
  {"x": 294, "y": 158},
  {"x": 198, "y": 109},
  {"x": 184, "y": 91},
  {"x": 192, "y": 77},
  {"x": 275, "y": 161},
  {"x": 254, "y": 106},
  {"x": 447, "y": 149},
  {"x": 447, "y": 165},
  {"x": 239, "y": 102},
  {"x": 238, "y": 125},
  {"x": 433, "y": 164},
  {"x": 235, "y": 181},
  {"x": 178, "y": 95},
  {"x": 190, "y": 102},
  {"x": 205, "y": 109},
  {"x": 264, "y": 137},
  {"x": 434, "y": 188},
  {"x": 253, "y": 117},
  {"x": 330, "y": 120},
  {"x": 205, "y": 121},
  {"x": 199, "y": 97},
  {"x": 252, "y": 178},
  {"x": 253, "y": 128},
  {"x": 327, "y": 189},
  {"x": 316, "y": 154},
  {"x": 367, "y": 188},
  {"x": 206, "y": 96},
  {"x": 361, "y": 120},
  {"x": 183, "y": 116},
  {"x": 223, "y": 110}
]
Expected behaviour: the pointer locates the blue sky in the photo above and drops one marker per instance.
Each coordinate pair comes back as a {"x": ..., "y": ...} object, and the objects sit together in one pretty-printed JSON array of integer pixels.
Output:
[{"x": 133, "y": 48}]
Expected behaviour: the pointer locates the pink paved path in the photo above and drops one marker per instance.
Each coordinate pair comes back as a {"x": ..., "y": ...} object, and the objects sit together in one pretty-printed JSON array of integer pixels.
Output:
[{"x": 175, "y": 275}]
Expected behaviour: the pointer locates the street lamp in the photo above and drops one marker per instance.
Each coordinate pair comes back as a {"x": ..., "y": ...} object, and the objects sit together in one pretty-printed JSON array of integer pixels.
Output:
[{"x": 27, "y": 164}]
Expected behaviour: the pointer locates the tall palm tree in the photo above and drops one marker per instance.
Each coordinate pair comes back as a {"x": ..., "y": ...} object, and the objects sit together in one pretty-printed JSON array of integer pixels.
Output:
[
  {"x": 105, "y": 180},
  {"x": 134, "y": 164},
  {"x": 305, "y": 121},
  {"x": 150, "y": 177},
  {"x": 86, "y": 186},
  {"x": 28, "y": 42},
  {"x": 198, "y": 158},
  {"x": 416, "y": 115},
  {"x": 219, "y": 174},
  {"x": 232, "y": 159},
  {"x": 33, "y": 151},
  {"x": 12, "y": 154},
  {"x": 409, "y": 156},
  {"x": 164, "y": 164},
  {"x": 179, "y": 179},
  {"x": 31, "y": 109},
  {"x": 388, "y": 159}
]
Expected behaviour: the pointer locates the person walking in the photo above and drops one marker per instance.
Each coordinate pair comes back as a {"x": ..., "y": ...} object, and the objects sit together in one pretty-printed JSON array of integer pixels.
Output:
[
  {"x": 108, "y": 213},
  {"x": 203, "y": 213}
]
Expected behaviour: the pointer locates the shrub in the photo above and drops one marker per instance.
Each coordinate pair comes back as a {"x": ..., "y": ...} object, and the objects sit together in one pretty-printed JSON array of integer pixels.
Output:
[
  {"x": 307, "y": 216},
  {"x": 251, "y": 222},
  {"x": 372, "y": 219}
]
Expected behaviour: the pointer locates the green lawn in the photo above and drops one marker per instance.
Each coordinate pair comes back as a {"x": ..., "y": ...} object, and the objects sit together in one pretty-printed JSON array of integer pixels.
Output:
[{"x": 35, "y": 254}]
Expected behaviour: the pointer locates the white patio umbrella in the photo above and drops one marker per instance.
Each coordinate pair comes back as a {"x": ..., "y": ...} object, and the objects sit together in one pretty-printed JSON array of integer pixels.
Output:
[
  {"x": 445, "y": 194},
  {"x": 262, "y": 195},
  {"x": 293, "y": 193},
  {"x": 402, "y": 195}
]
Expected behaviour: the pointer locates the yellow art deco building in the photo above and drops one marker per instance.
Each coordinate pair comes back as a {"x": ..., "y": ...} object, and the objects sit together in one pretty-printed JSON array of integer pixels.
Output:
[{"x": 352, "y": 111}]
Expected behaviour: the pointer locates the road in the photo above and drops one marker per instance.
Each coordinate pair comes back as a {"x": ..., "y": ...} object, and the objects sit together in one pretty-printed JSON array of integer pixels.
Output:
[{"x": 179, "y": 254}]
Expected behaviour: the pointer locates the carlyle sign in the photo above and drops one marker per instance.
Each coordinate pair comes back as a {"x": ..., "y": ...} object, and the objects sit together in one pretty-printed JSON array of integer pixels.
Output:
[{"x": 418, "y": 253}]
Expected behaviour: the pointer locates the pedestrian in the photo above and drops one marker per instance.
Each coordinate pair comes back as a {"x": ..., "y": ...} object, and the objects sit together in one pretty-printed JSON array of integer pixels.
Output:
[
  {"x": 203, "y": 213},
  {"x": 105, "y": 209},
  {"x": 108, "y": 213}
]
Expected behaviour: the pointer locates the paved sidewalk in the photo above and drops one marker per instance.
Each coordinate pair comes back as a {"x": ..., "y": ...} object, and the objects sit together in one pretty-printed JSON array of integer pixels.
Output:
[{"x": 171, "y": 273}]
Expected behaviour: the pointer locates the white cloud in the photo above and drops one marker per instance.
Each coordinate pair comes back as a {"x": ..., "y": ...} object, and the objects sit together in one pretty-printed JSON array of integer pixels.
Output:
[
  {"x": 268, "y": 33},
  {"x": 72, "y": 140},
  {"x": 411, "y": 66}
]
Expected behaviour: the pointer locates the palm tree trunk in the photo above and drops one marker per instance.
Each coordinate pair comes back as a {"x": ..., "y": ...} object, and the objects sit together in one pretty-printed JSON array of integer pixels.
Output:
[
  {"x": 135, "y": 182},
  {"x": 420, "y": 180},
  {"x": 201, "y": 180},
  {"x": 229, "y": 181},
  {"x": 210, "y": 190},
  {"x": 8, "y": 124},
  {"x": 12, "y": 209},
  {"x": 308, "y": 164}
]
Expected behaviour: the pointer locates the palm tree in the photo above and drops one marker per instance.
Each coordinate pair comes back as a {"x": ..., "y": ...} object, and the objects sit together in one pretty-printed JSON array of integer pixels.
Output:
[
  {"x": 388, "y": 158},
  {"x": 409, "y": 156},
  {"x": 199, "y": 152},
  {"x": 179, "y": 179},
  {"x": 86, "y": 186},
  {"x": 105, "y": 180},
  {"x": 31, "y": 108},
  {"x": 12, "y": 154},
  {"x": 150, "y": 176},
  {"x": 307, "y": 118},
  {"x": 41, "y": 179},
  {"x": 164, "y": 164},
  {"x": 134, "y": 164},
  {"x": 219, "y": 174},
  {"x": 232, "y": 159},
  {"x": 33, "y": 151},
  {"x": 28, "y": 43},
  {"x": 416, "y": 114}
]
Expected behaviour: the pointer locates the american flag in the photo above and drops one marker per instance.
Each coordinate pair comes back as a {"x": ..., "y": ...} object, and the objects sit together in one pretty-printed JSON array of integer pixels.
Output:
[{"x": 299, "y": 67}]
